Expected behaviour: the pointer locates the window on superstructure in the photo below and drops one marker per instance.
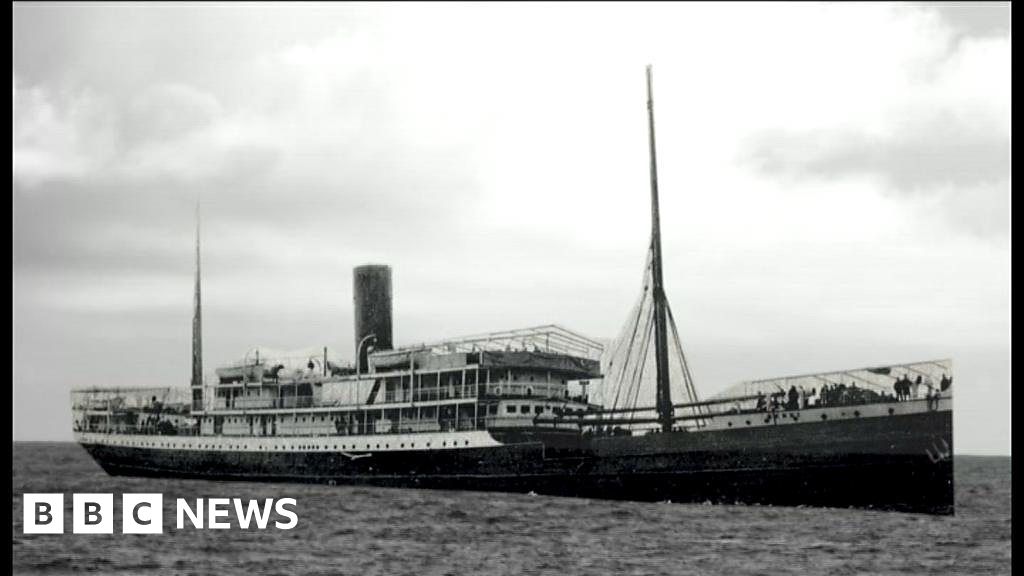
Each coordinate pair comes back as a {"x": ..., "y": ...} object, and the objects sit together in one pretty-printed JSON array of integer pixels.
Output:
[{"x": 510, "y": 409}]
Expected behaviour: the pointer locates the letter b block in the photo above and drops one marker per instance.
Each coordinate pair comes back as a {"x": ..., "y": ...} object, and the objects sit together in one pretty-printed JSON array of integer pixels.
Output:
[
  {"x": 93, "y": 514},
  {"x": 43, "y": 513}
]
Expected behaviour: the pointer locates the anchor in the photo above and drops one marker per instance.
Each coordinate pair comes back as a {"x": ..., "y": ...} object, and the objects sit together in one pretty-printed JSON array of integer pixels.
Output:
[{"x": 940, "y": 454}]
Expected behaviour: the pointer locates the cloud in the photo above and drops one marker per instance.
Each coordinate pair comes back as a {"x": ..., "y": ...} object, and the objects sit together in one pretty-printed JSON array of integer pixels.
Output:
[
  {"x": 944, "y": 146},
  {"x": 49, "y": 142},
  {"x": 919, "y": 155},
  {"x": 109, "y": 183},
  {"x": 167, "y": 111},
  {"x": 978, "y": 20}
]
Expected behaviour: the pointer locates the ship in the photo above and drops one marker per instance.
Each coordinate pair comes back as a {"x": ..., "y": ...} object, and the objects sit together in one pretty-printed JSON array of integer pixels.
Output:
[{"x": 541, "y": 410}]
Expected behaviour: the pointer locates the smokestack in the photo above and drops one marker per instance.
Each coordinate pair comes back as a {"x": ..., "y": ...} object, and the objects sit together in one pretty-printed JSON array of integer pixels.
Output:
[{"x": 371, "y": 299}]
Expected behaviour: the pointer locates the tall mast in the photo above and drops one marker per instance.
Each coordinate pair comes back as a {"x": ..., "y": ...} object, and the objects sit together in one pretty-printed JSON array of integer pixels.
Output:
[
  {"x": 197, "y": 331},
  {"x": 664, "y": 394}
]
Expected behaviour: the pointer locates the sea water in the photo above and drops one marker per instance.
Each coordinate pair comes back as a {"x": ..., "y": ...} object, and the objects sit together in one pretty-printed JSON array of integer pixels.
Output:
[{"x": 371, "y": 531}]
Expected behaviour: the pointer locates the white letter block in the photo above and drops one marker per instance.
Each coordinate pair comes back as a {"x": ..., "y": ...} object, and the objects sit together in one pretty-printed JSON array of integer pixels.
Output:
[
  {"x": 43, "y": 513},
  {"x": 92, "y": 514},
  {"x": 142, "y": 513}
]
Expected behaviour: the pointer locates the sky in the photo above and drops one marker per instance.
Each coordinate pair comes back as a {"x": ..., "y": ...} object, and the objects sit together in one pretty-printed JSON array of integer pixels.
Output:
[{"x": 834, "y": 179}]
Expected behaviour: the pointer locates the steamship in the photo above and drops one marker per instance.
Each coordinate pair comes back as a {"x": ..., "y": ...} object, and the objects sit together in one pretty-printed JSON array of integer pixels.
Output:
[{"x": 542, "y": 410}]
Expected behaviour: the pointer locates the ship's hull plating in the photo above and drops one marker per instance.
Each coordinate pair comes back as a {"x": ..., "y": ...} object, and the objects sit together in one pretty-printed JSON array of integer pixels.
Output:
[{"x": 897, "y": 463}]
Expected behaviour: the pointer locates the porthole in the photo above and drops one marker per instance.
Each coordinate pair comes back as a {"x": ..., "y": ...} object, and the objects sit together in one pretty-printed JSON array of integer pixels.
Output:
[
  {"x": 892, "y": 411},
  {"x": 856, "y": 413},
  {"x": 748, "y": 422},
  {"x": 824, "y": 416},
  {"x": 730, "y": 424}
]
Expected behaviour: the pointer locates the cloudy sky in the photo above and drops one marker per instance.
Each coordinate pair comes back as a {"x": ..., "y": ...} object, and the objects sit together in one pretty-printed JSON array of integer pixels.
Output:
[{"x": 834, "y": 178}]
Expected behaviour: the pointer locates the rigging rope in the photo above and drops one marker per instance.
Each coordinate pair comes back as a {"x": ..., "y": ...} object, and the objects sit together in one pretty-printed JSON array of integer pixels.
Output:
[
  {"x": 628, "y": 376},
  {"x": 632, "y": 320},
  {"x": 642, "y": 363}
]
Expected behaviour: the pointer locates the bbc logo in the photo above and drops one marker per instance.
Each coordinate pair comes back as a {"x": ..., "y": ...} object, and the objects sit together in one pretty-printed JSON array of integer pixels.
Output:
[{"x": 93, "y": 514}]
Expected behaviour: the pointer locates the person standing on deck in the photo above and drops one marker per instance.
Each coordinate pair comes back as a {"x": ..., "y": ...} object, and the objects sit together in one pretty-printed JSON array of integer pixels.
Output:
[
  {"x": 915, "y": 386},
  {"x": 793, "y": 399}
]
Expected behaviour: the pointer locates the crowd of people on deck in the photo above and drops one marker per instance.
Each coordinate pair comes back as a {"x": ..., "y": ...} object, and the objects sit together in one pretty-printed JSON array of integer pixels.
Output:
[
  {"x": 841, "y": 394},
  {"x": 907, "y": 389}
]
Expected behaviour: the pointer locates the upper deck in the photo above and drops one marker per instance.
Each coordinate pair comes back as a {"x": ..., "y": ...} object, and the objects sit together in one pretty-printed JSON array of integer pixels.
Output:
[
  {"x": 458, "y": 383},
  {"x": 538, "y": 362},
  {"x": 550, "y": 348}
]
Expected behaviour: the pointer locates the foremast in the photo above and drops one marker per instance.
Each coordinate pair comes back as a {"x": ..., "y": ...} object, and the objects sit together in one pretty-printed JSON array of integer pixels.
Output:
[
  {"x": 664, "y": 393},
  {"x": 197, "y": 331}
]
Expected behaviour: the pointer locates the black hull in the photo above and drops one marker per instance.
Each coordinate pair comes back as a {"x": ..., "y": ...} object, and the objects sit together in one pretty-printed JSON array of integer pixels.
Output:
[{"x": 878, "y": 463}]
